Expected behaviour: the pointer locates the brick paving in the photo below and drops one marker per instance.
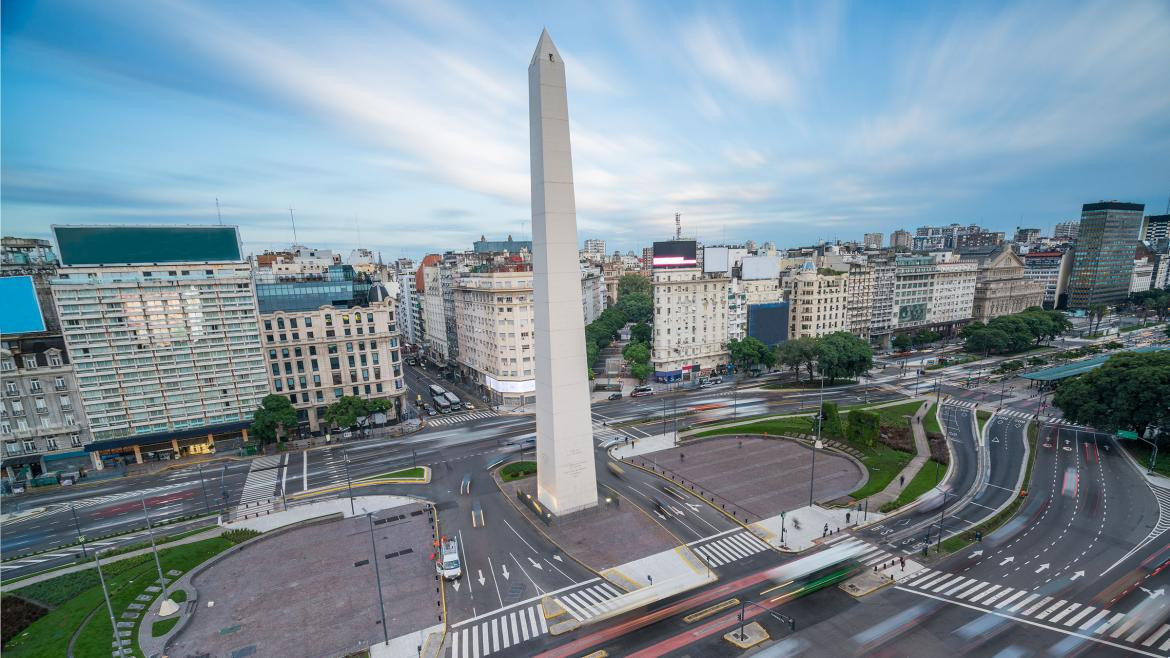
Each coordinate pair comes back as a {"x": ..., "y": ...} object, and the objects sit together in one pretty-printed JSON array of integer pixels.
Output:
[
  {"x": 603, "y": 538},
  {"x": 761, "y": 478},
  {"x": 267, "y": 596}
]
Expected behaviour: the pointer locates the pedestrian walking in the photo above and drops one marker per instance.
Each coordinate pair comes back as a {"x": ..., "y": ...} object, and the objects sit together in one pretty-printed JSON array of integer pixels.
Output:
[
  {"x": 901, "y": 480},
  {"x": 846, "y": 518},
  {"x": 903, "y": 561},
  {"x": 682, "y": 457}
]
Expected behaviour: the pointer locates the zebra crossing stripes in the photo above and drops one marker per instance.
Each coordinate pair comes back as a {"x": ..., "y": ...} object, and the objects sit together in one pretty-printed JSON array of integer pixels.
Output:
[
  {"x": 261, "y": 481},
  {"x": 499, "y": 633},
  {"x": 730, "y": 548},
  {"x": 461, "y": 418},
  {"x": 1116, "y": 628},
  {"x": 589, "y": 602},
  {"x": 869, "y": 554}
]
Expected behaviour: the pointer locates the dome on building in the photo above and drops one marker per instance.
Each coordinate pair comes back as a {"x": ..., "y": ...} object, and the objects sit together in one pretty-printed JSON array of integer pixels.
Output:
[
  {"x": 379, "y": 293},
  {"x": 808, "y": 266}
]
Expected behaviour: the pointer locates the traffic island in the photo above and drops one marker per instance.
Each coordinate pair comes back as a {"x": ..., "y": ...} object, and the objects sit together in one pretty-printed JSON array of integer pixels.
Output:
[{"x": 747, "y": 637}]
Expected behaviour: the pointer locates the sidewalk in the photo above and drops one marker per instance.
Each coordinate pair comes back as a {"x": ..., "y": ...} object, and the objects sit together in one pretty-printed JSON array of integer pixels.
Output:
[
  {"x": 921, "y": 447},
  {"x": 804, "y": 527},
  {"x": 643, "y": 446}
]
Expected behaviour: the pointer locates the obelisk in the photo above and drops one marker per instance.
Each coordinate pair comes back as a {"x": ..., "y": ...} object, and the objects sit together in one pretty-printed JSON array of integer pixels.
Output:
[{"x": 566, "y": 479}]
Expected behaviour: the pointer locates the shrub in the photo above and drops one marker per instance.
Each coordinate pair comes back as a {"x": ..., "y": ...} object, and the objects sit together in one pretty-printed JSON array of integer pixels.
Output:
[
  {"x": 241, "y": 535},
  {"x": 864, "y": 427},
  {"x": 898, "y": 438},
  {"x": 832, "y": 420}
]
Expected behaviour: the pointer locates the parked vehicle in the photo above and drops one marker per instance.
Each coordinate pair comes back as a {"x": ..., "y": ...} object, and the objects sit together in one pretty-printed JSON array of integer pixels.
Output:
[
  {"x": 447, "y": 562},
  {"x": 642, "y": 391},
  {"x": 615, "y": 396},
  {"x": 468, "y": 406}
]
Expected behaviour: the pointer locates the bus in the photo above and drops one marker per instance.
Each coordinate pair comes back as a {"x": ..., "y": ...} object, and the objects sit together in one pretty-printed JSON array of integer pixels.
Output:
[
  {"x": 437, "y": 391},
  {"x": 442, "y": 405},
  {"x": 453, "y": 400}
]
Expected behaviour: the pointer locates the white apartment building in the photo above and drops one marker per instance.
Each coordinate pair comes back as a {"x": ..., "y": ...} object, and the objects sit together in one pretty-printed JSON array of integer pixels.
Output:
[
  {"x": 167, "y": 350},
  {"x": 1049, "y": 270},
  {"x": 1143, "y": 273},
  {"x": 742, "y": 294},
  {"x": 936, "y": 291},
  {"x": 860, "y": 288},
  {"x": 305, "y": 260},
  {"x": 409, "y": 303},
  {"x": 434, "y": 315},
  {"x": 593, "y": 292},
  {"x": 594, "y": 250},
  {"x": 494, "y": 316},
  {"x": 816, "y": 301},
  {"x": 690, "y": 322}
]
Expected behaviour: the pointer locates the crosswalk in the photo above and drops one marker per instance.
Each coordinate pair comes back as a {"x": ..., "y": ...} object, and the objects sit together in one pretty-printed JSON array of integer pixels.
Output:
[
  {"x": 124, "y": 495},
  {"x": 868, "y": 554},
  {"x": 1051, "y": 611},
  {"x": 461, "y": 418},
  {"x": 261, "y": 482},
  {"x": 588, "y": 602},
  {"x": 729, "y": 548}
]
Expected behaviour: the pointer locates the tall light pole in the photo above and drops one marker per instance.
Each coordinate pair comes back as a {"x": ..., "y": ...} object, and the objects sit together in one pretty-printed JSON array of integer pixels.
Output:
[
  {"x": 378, "y": 576},
  {"x": 157, "y": 563},
  {"x": 817, "y": 445},
  {"x": 202, "y": 485},
  {"x": 77, "y": 527},
  {"x": 109, "y": 606},
  {"x": 349, "y": 484}
]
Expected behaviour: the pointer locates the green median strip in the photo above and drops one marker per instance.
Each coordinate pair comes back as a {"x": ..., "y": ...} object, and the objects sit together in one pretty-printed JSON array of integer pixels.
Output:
[
  {"x": 930, "y": 422},
  {"x": 982, "y": 417},
  {"x": 414, "y": 473},
  {"x": 931, "y": 473}
]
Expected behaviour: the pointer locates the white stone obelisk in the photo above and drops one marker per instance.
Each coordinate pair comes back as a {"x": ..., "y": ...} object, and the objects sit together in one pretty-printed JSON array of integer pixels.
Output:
[{"x": 566, "y": 477}]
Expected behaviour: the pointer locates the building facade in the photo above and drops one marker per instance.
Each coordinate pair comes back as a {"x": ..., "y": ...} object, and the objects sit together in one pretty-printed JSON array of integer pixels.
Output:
[
  {"x": 161, "y": 324},
  {"x": 594, "y": 250},
  {"x": 1049, "y": 270},
  {"x": 936, "y": 291},
  {"x": 494, "y": 313},
  {"x": 1067, "y": 231},
  {"x": 1103, "y": 267},
  {"x": 872, "y": 241},
  {"x": 690, "y": 322},
  {"x": 314, "y": 356},
  {"x": 434, "y": 315},
  {"x": 593, "y": 292},
  {"x": 1002, "y": 286},
  {"x": 42, "y": 420},
  {"x": 901, "y": 239},
  {"x": 817, "y": 299},
  {"x": 408, "y": 305},
  {"x": 35, "y": 258},
  {"x": 1156, "y": 228}
]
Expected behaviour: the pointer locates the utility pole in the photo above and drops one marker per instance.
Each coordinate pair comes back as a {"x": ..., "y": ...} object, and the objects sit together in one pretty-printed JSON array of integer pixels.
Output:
[
  {"x": 109, "y": 606},
  {"x": 77, "y": 526},
  {"x": 378, "y": 576},
  {"x": 349, "y": 484},
  {"x": 202, "y": 485},
  {"x": 154, "y": 549},
  {"x": 817, "y": 445}
]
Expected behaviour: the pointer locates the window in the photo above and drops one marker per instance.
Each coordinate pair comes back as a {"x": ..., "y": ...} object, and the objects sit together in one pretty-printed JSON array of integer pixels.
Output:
[
  {"x": 280, "y": 323},
  {"x": 65, "y": 402},
  {"x": 70, "y": 420},
  {"x": 309, "y": 321},
  {"x": 55, "y": 360},
  {"x": 5, "y": 427},
  {"x": 7, "y": 364},
  {"x": 35, "y": 386},
  {"x": 30, "y": 362},
  {"x": 17, "y": 408},
  {"x": 59, "y": 383},
  {"x": 75, "y": 440},
  {"x": 268, "y": 325},
  {"x": 21, "y": 424},
  {"x": 29, "y": 445},
  {"x": 10, "y": 388}
]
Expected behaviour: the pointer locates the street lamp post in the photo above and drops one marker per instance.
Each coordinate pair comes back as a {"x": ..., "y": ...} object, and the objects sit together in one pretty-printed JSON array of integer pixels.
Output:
[
  {"x": 817, "y": 445},
  {"x": 77, "y": 527},
  {"x": 349, "y": 484},
  {"x": 109, "y": 606},
  {"x": 157, "y": 563},
  {"x": 203, "y": 485},
  {"x": 378, "y": 576}
]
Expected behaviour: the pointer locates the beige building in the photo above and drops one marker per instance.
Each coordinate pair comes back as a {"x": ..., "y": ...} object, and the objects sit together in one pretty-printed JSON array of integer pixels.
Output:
[
  {"x": 315, "y": 357},
  {"x": 1002, "y": 286},
  {"x": 932, "y": 291},
  {"x": 434, "y": 315},
  {"x": 494, "y": 317},
  {"x": 816, "y": 300},
  {"x": 690, "y": 322}
]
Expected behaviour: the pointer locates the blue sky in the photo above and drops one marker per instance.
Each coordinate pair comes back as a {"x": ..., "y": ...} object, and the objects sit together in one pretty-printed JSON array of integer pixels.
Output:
[{"x": 407, "y": 121}]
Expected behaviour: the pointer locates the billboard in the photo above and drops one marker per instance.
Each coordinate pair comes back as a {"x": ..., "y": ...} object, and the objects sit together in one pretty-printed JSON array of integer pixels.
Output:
[
  {"x": 756, "y": 268},
  {"x": 22, "y": 310},
  {"x": 768, "y": 323},
  {"x": 126, "y": 245},
  {"x": 716, "y": 259},
  {"x": 675, "y": 253}
]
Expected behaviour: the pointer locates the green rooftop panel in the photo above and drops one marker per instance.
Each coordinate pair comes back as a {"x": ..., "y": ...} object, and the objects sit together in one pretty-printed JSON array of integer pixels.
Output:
[{"x": 122, "y": 245}]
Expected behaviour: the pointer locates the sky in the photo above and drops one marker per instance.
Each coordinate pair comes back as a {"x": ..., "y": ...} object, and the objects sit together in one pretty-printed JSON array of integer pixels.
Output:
[{"x": 402, "y": 126}]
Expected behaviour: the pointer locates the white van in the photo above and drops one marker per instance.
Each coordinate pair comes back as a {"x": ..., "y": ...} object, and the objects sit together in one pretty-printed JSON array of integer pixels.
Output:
[{"x": 447, "y": 563}]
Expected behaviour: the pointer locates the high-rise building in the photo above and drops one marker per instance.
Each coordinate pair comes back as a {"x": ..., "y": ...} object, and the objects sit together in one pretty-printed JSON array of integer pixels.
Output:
[
  {"x": 324, "y": 339},
  {"x": 816, "y": 300},
  {"x": 936, "y": 291},
  {"x": 595, "y": 250},
  {"x": 1155, "y": 228},
  {"x": 1067, "y": 231},
  {"x": 1001, "y": 285},
  {"x": 494, "y": 314},
  {"x": 593, "y": 292},
  {"x": 434, "y": 315},
  {"x": 161, "y": 325},
  {"x": 901, "y": 239},
  {"x": 1103, "y": 264},
  {"x": 872, "y": 240},
  {"x": 1050, "y": 270},
  {"x": 1026, "y": 235},
  {"x": 409, "y": 304}
]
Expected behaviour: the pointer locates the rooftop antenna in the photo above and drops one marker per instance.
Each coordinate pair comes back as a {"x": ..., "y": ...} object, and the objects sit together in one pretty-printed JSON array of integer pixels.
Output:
[
  {"x": 217, "y": 212},
  {"x": 677, "y": 226},
  {"x": 294, "y": 224}
]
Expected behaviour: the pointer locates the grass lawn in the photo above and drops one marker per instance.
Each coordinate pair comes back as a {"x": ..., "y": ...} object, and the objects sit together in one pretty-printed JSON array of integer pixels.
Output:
[
  {"x": 179, "y": 596},
  {"x": 883, "y": 463},
  {"x": 162, "y": 626},
  {"x": 981, "y": 418},
  {"x": 931, "y": 474},
  {"x": 930, "y": 422},
  {"x": 517, "y": 470},
  {"x": 772, "y": 427},
  {"x": 1141, "y": 452},
  {"x": 806, "y": 384},
  {"x": 76, "y": 595},
  {"x": 415, "y": 473},
  {"x": 896, "y": 415}
]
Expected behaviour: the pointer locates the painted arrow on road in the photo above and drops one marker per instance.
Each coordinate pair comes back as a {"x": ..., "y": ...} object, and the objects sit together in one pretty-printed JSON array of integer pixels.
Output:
[
  {"x": 694, "y": 506},
  {"x": 1077, "y": 574},
  {"x": 536, "y": 564},
  {"x": 1043, "y": 567},
  {"x": 1006, "y": 560},
  {"x": 455, "y": 585},
  {"x": 558, "y": 558},
  {"x": 504, "y": 569},
  {"x": 1154, "y": 594},
  {"x": 481, "y": 579},
  {"x": 977, "y": 553}
]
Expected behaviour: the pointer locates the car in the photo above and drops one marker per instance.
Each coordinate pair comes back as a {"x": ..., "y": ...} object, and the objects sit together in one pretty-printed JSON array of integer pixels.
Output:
[
  {"x": 432, "y": 412},
  {"x": 615, "y": 396},
  {"x": 468, "y": 406},
  {"x": 716, "y": 380},
  {"x": 642, "y": 391},
  {"x": 447, "y": 561}
]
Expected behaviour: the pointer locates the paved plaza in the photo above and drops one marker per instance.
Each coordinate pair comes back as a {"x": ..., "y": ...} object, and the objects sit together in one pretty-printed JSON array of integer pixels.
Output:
[
  {"x": 758, "y": 476},
  {"x": 260, "y": 601}
]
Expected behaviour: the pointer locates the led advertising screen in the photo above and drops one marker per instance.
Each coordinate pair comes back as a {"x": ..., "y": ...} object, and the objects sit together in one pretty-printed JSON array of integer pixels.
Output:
[
  {"x": 675, "y": 253},
  {"x": 22, "y": 310}
]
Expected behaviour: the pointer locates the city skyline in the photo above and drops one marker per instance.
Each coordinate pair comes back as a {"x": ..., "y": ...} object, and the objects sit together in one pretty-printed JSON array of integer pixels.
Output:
[{"x": 823, "y": 133}]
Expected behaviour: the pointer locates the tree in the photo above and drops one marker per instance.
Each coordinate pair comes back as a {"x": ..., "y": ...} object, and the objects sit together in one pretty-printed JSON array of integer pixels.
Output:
[
  {"x": 642, "y": 333},
  {"x": 345, "y": 412},
  {"x": 275, "y": 415},
  {"x": 799, "y": 352},
  {"x": 831, "y": 420},
  {"x": 637, "y": 352},
  {"x": 864, "y": 427},
  {"x": 1098, "y": 312},
  {"x": 641, "y": 371},
  {"x": 1129, "y": 391},
  {"x": 633, "y": 283},
  {"x": 635, "y": 307},
  {"x": 902, "y": 342},
  {"x": 750, "y": 352},
  {"x": 841, "y": 355}
]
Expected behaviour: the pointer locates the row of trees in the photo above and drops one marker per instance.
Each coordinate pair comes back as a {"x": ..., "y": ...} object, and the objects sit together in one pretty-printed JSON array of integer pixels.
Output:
[
  {"x": 276, "y": 415},
  {"x": 1008, "y": 334},
  {"x": 1130, "y": 391},
  {"x": 633, "y": 305},
  {"x": 905, "y": 341},
  {"x": 1154, "y": 300},
  {"x": 839, "y": 355}
]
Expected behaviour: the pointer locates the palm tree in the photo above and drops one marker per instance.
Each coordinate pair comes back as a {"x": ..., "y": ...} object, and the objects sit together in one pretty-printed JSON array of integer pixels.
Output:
[{"x": 1098, "y": 311}]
